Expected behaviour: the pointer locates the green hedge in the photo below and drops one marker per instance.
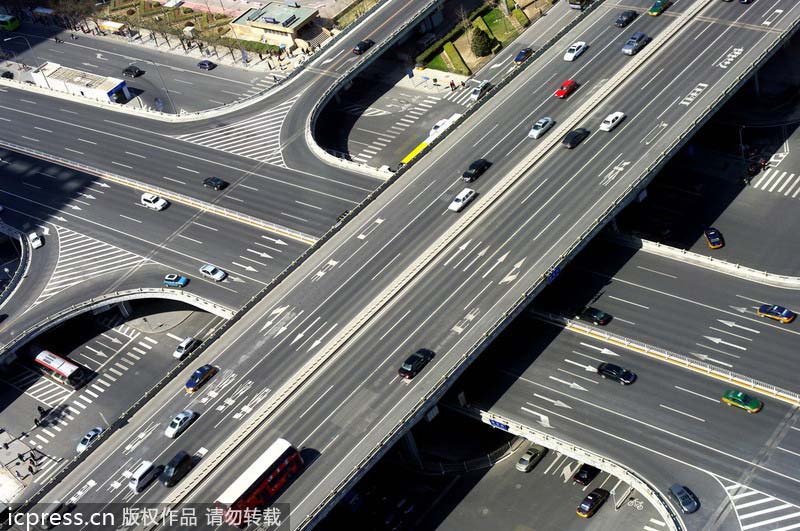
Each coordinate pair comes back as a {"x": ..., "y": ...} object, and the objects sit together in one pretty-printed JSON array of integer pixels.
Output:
[
  {"x": 452, "y": 35},
  {"x": 480, "y": 23},
  {"x": 521, "y": 17},
  {"x": 510, "y": 5},
  {"x": 455, "y": 58}
]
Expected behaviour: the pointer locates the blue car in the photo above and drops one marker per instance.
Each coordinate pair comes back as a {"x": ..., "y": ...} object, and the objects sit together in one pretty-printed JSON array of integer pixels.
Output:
[
  {"x": 523, "y": 55},
  {"x": 199, "y": 377},
  {"x": 778, "y": 313},
  {"x": 173, "y": 280}
]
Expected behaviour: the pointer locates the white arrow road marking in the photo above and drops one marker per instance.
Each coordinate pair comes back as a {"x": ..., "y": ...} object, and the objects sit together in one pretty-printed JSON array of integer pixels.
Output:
[
  {"x": 586, "y": 367},
  {"x": 303, "y": 333},
  {"x": 736, "y": 325},
  {"x": 718, "y": 350},
  {"x": 87, "y": 196},
  {"x": 479, "y": 255},
  {"x": 498, "y": 65},
  {"x": 729, "y": 333},
  {"x": 499, "y": 261},
  {"x": 259, "y": 253},
  {"x": 603, "y": 350},
  {"x": 273, "y": 240},
  {"x": 558, "y": 403},
  {"x": 275, "y": 312},
  {"x": 464, "y": 257},
  {"x": 543, "y": 419},
  {"x": 326, "y": 61},
  {"x": 83, "y": 490},
  {"x": 705, "y": 357},
  {"x": 720, "y": 341},
  {"x": 568, "y": 471},
  {"x": 572, "y": 385},
  {"x": 101, "y": 184},
  {"x": 246, "y": 267},
  {"x": 514, "y": 273},
  {"x": 460, "y": 248},
  {"x": 316, "y": 343}
]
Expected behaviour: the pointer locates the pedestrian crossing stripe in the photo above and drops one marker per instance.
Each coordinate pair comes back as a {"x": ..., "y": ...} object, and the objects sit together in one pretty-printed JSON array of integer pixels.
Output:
[
  {"x": 781, "y": 182},
  {"x": 757, "y": 509}
]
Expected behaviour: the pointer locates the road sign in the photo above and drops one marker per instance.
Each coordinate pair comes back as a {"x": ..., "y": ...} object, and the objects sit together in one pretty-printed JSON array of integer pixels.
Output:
[{"x": 498, "y": 424}]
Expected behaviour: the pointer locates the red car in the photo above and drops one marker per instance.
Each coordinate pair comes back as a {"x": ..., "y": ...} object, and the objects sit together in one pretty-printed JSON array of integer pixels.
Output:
[{"x": 567, "y": 88}]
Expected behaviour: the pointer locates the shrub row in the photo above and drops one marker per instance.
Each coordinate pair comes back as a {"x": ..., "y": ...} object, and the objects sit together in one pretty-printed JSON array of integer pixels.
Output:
[{"x": 455, "y": 58}]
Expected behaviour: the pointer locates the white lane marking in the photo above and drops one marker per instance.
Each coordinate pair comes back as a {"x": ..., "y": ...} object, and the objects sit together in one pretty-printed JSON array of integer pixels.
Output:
[
  {"x": 696, "y": 393},
  {"x": 129, "y": 218},
  {"x": 629, "y": 302},
  {"x": 681, "y": 412}
]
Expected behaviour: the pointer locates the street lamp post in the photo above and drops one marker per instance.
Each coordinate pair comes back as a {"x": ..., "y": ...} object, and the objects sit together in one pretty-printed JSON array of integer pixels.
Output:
[{"x": 34, "y": 55}]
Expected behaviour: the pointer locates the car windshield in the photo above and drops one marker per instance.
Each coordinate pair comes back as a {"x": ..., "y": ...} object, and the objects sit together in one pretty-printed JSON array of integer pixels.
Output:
[
  {"x": 585, "y": 506},
  {"x": 407, "y": 366},
  {"x": 525, "y": 459}
]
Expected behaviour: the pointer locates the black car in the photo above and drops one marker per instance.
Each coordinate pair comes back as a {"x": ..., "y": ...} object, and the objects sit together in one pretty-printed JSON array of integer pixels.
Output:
[
  {"x": 132, "y": 71},
  {"x": 615, "y": 372},
  {"x": 176, "y": 469},
  {"x": 594, "y": 316},
  {"x": 363, "y": 46},
  {"x": 7, "y": 74},
  {"x": 625, "y": 18},
  {"x": 215, "y": 182},
  {"x": 475, "y": 170},
  {"x": 415, "y": 363},
  {"x": 585, "y": 474},
  {"x": 205, "y": 64},
  {"x": 575, "y": 137}
]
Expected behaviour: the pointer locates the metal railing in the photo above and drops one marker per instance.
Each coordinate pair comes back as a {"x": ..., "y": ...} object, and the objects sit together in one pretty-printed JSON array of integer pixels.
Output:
[{"x": 24, "y": 262}]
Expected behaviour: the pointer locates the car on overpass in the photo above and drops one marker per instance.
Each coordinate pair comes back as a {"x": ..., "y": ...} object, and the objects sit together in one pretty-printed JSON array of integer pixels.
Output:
[
  {"x": 213, "y": 272},
  {"x": 742, "y": 400},
  {"x": 363, "y": 46},
  {"x": 475, "y": 170},
  {"x": 541, "y": 127},
  {"x": 658, "y": 7},
  {"x": 415, "y": 363},
  {"x": 592, "y": 502},
  {"x": 636, "y": 42},
  {"x": 616, "y": 373},
  {"x": 778, "y": 313},
  {"x": 714, "y": 238},
  {"x": 625, "y": 18},
  {"x": 215, "y": 183},
  {"x": 575, "y": 51},
  {"x": 575, "y": 137},
  {"x": 566, "y": 88},
  {"x": 612, "y": 121},
  {"x": 594, "y": 316},
  {"x": 179, "y": 423},
  {"x": 523, "y": 55},
  {"x": 174, "y": 280},
  {"x": 153, "y": 202},
  {"x": 462, "y": 199},
  {"x": 199, "y": 377}
]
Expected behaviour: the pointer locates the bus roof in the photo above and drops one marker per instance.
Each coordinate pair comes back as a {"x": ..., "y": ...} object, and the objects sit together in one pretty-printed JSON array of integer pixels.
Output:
[
  {"x": 253, "y": 472},
  {"x": 56, "y": 363}
]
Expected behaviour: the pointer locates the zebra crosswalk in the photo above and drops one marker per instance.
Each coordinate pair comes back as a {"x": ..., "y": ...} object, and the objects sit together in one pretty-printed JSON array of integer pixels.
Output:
[
  {"x": 773, "y": 180},
  {"x": 459, "y": 96},
  {"x": 757, "y": 510},
  {"x": 81, "y": 258},
  {"x": 258, "y": 137}
]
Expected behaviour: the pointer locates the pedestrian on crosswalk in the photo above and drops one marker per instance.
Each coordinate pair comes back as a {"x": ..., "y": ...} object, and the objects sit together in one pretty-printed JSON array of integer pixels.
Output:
[{"x": 452, "y": 85}]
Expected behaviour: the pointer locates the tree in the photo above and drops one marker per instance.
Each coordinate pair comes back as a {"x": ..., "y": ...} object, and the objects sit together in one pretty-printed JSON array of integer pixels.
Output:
[{"x": 481, "y": 43}]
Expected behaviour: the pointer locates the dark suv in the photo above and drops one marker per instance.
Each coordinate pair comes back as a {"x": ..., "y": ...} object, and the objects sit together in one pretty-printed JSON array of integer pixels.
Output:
[
  {"x": 475, "y": 170},
  {"x": 176, "y": 469},
  {"x": 363, "y": 46},
  {"x": 415, "y": 363},
  {"x": 132, "y": 71},
  {"x": 214, "y": 182},
  {"x": 625, "y": 18}
]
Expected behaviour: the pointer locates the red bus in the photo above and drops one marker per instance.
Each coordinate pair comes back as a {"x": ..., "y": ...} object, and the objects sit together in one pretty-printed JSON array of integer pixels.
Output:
[
  {"x": 261, "y": 481},
  {"x": 59, "y": 369}
]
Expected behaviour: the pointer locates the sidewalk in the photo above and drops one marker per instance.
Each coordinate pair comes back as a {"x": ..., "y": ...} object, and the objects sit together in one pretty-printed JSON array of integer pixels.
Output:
[{"x": 20, "y": 464}]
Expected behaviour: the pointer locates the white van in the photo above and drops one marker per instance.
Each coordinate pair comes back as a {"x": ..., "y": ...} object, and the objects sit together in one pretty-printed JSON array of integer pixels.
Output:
[
  {"x": 142, "y": 476},
  {"x": 185, "y": 347}
]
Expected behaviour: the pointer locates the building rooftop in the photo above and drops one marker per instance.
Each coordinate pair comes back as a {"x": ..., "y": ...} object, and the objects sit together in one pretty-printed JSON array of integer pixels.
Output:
[
  {"x": 55, "y": 71},
  {"x": 279, "y": 14}
]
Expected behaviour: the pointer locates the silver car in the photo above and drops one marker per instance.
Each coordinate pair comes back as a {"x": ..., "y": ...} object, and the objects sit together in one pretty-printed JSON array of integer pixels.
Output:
[
  {"x": 88, "y": 439},
  {"x": 213, "y": 272},
  {"x": 541, "y": 127},
  {"x": 532, "y": 455},
  {"x": 179, "y": 424}
]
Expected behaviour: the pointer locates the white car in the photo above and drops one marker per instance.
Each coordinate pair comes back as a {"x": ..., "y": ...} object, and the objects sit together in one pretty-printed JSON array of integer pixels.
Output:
[
  {"x": 212, "y": 271},
  {"x": 464, "y": 196},
  {"x": 541, "y": 127},
  {"x": 35, "y": 239},
  {"x": 178, "y": 424},
  {"x": 88, "y": 439},
  {"x": 153, "y": 202},
  {"x": 574, "y": 51},
  {"x": 612, "y": 120},
  {"x": 439, "y": 128}
]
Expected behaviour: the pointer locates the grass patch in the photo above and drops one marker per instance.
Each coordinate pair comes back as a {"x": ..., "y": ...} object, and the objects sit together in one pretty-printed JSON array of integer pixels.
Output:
[
  {"x": 349, "y": 15},
  {"x": 438, "y": 63},
  {"x": 501, "y": 28},
  {"x": 456, "y": 59},
  {"x": 521, "y": 17}
]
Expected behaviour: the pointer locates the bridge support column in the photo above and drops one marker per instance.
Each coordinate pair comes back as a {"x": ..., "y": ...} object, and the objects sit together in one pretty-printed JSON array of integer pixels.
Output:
[
  {"x": 411, "y": 447},
  {"x": 757, "y": 84},
  {"x": 125, "y": 309}
]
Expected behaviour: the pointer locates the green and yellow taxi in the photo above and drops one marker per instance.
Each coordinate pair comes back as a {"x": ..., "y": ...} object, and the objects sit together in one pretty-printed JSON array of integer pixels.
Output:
[
  {"x": 739, "y": 399},
  {"x": 658, "y": 7}
]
